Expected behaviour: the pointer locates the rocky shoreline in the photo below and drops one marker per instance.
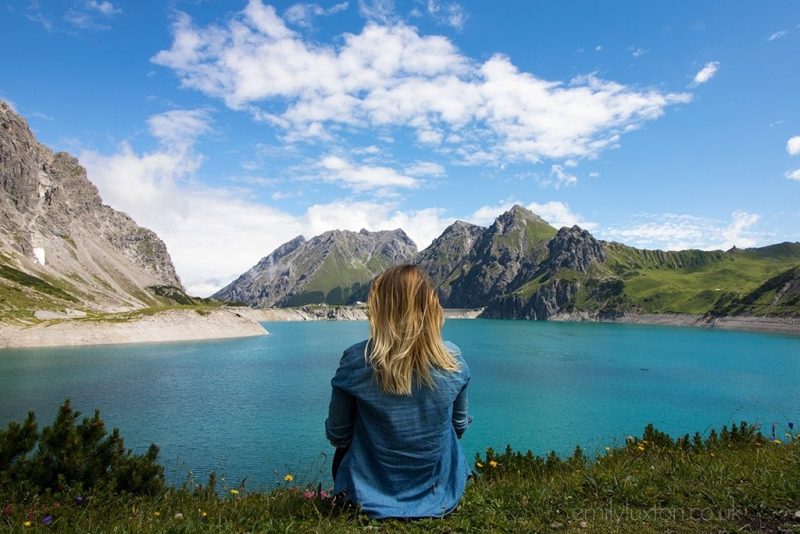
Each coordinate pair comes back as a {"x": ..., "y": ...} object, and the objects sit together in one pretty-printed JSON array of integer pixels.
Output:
[
  {"x": 781, "y": 325},
  {"x": 330, "y": 313},
  {"x": 172, "y": 325}
]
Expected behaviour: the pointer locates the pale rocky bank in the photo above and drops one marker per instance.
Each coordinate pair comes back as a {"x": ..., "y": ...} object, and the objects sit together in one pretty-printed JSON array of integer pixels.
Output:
[
  {"x": 173, "y": 325},
  {"x": 330, "y": 313},
  {"x": 778, "y": 325}
]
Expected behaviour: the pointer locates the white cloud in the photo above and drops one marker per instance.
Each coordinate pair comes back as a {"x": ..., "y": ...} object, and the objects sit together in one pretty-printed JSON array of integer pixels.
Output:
[
  {"x": 425, "y": 168},
  {"x": 303, "y": 14},
  {"x": 377, "y": 10},
  {"x": 556, "y": 213},
  {"x": 793, "y": 175},
  {"x": 363, "y": 177},
  {"x": 681, "y": 232},
  {"x": 213, "y": 234},
  {"x": 706, "y": 73},
  {"x": 561, "y": 177},
  {"x": 638, "y": 51},
  {"x": 777, "y": 35},
  {"x": 793, "y": 145},
  {"x": 448, "y": 13},
  {"x": 106, "y": 9},
  {"x": 422, "y": 226},
  {"x": 390, "y": 76},
  {"x": 180, "y": 127}
]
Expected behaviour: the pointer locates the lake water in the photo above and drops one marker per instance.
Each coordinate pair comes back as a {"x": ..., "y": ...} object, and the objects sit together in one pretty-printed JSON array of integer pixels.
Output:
[{"x": 255, "y": 407}]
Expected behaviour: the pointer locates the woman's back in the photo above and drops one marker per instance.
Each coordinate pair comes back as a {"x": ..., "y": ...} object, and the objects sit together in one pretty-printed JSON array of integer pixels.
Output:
[
  {"x": 404, "y": 459},
  {"x": 399, "y": 405}
]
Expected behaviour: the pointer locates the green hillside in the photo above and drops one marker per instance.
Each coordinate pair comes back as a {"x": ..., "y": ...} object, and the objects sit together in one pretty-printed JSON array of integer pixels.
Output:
[{"x": 691, "y": 282}]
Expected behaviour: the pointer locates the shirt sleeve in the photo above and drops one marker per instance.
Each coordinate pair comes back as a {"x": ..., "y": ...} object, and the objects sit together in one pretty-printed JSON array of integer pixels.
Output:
[
  {"x": 341, "y": 418},
  {"x": 461, "y": 418}
]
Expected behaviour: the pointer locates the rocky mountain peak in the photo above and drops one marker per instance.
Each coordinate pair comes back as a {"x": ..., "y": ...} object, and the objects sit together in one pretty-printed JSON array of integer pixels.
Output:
[
  {"x": 334, "y": 267},
  {"x": 54, "y": 225},
  {"x": 574, "y": 248}
]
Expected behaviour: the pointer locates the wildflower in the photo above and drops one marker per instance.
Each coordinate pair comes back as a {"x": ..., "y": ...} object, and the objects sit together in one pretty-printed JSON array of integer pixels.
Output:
[
  {"x": 203, "y": 517},
  {"x": 8, "y": 509},
  {"x": 640, "y": 447},
  {"x": 178, "y": 515},
  {"x": 324, "y": 494},
  {"x": 608, "y": 449},
  {"x": 26, "y": 524},
  {"x": 493, "y": 463},
  {"x": 234, "y": 492},
  {"x": 308, "y": 494},
  {"x": 289, "y": 477},
  {"x": 47, "y": 520},
  {"x": 156, "y": 514},
  {"x": 79, "y": 500}
]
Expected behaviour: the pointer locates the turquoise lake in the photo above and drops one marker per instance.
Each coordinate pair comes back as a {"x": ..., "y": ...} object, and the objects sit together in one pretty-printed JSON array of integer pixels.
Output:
[{"x": 255, "y": 407}]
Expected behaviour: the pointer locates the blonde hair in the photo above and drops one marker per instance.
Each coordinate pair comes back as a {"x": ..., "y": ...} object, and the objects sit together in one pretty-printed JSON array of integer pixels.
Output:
[{"x": 405, "y": 324}]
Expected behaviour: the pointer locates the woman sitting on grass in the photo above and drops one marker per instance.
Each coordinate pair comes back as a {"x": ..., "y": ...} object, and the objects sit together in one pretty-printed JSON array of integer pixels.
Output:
[{"x": 398, "y": 405}]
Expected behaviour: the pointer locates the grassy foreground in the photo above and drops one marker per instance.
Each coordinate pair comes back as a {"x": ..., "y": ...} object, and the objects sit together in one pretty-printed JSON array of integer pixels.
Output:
[{"x": 736, "y": 480}]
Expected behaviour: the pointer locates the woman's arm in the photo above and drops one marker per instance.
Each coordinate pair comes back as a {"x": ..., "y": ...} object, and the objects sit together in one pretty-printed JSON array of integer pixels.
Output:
[
  {"x": 341, "y": 418},
  {"x": 461, "y": 418}
]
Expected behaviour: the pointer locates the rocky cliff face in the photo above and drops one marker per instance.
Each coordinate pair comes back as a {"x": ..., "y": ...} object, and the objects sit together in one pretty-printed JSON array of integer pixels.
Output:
[
  {"x": 575, "y": 249},
  {"x": 55, "y": 228},
  {"x": 332, "y": 268},
  {"x": 505, "y": 256},
  {"x": 446, "y": 259}
]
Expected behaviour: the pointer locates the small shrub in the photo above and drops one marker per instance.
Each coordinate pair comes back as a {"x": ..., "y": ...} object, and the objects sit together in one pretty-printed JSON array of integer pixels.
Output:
[{"x": 75, "y": 454}]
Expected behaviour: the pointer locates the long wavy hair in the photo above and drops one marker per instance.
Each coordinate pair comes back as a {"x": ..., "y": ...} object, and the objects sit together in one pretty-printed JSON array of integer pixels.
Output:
[{"x": 405, "y": 324}]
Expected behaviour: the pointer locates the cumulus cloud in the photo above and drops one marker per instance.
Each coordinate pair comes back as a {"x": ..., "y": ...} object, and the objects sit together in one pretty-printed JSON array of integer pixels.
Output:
[
  {"x": 448, "y": 13},
  {"x": 303, "y": 14},
  {"x": 381, "y": 11},
  {"x": 556, "y": 213},
  {"x": 92, "y": 15},
  {"x": 390, "y": 76},
  {"x": 425, "y": 168},
  {"x": 793, "y": 175},
  {"x": 559, "y": 177},
  {"x": 363, "y": 177},
  {"x": 680, "y": 232},
  {"x": 214, "y": 233},
  {"x": 706, "y": 73},
  {"x": 793, "y": 145}
]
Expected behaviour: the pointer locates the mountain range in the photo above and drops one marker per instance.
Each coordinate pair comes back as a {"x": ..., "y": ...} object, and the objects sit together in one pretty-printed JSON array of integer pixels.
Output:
[
  {"x": 62, "y": 251},
  {"x": 521, "y": 267},
  {"x": 61, "y": 248}
]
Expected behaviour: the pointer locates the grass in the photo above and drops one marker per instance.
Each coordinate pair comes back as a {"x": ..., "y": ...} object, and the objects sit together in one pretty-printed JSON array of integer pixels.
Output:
[
  {"x": 691, "y": 281},
  {"x": 735, "y": 481}
]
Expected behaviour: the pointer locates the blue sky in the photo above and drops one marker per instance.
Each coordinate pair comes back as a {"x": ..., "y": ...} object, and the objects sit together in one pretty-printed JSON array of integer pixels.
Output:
[{"x": 229, "y": 127}]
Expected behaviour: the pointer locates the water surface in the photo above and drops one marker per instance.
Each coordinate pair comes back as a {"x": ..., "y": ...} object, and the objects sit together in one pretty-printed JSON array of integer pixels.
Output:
[{"x": 255, "y": 407}]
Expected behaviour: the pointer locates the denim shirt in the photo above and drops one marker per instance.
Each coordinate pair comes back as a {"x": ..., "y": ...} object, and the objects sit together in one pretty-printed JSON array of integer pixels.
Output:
[{"x": 404, "y": 457}]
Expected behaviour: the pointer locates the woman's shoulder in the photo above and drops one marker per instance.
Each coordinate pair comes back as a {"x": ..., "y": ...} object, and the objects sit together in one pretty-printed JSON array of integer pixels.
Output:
[
  {"x": 354, "y": 354},
  {"x": 455, "y": 351}
]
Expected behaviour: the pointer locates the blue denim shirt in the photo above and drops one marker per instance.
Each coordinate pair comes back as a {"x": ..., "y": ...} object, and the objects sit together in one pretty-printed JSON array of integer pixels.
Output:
[{"x": 405, "y": 459}]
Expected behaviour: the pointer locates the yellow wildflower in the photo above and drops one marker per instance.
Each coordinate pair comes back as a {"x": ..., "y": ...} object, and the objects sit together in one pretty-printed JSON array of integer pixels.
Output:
[
  {"x": 493, "y": 463},
  {"x": 26, "y": 524},
  {"x": 478, "y": 464},
  {"x": 289, "y": 477},
  {"x": 156, "y": 514},
  {"x": 234, "y": 492},
  {"x": 203, "y": 514}
]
